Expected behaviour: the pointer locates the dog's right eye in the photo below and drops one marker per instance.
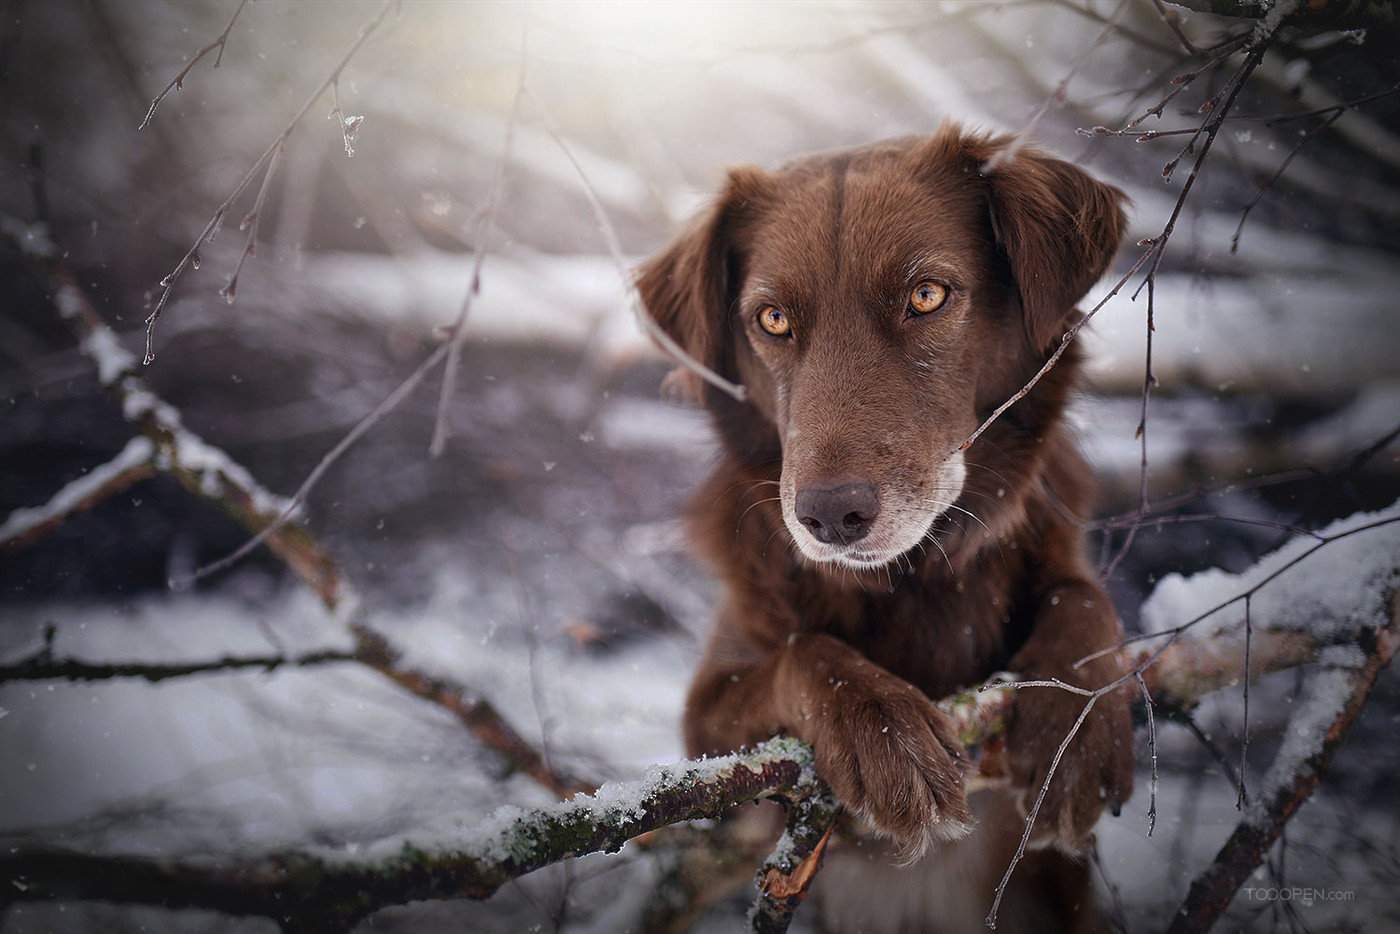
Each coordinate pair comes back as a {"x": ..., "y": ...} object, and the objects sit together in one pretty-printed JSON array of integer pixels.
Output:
[{"x": 773, "y": 321}]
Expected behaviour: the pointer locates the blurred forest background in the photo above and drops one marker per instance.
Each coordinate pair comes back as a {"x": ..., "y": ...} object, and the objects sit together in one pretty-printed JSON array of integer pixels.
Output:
[{"x": 539, "y": 559}]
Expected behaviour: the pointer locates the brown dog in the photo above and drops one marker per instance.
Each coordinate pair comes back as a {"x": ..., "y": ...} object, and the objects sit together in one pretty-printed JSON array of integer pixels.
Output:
[{"x": 877, "y": 304}]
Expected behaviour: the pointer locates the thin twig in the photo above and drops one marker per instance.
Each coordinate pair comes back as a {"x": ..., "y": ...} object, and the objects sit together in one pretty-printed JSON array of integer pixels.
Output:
[
  {"x": 1242, "y": 798},
  {"x": 1118, "y": 915},
  {"x": 1149, "y": 381},
  {"x": 1040, "y": 799},
  {"x": 1008, "y": 152},
  {"x": 1210, "y": 128},
  {"x": 298, "y": 499},
  {"x": 251, "y": 221},
  {"x": 1184, "y": 80},
  {"x": 1227, "y": 768},
  {"x": 1049, "y": 364},
  {"x": 179, "y": 80},
  {"x": 1148, "y": 705},
  {"x": 1273, "y": 178},
  {"x": 480, "y": 247},
  {"x": 605, "y": 226}
]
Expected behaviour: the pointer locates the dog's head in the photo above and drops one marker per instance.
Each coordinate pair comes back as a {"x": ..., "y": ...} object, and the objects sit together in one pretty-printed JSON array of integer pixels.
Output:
[{"x": 876, "y": 304}]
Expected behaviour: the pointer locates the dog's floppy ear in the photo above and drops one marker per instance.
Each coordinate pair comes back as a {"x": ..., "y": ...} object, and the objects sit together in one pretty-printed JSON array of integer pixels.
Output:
[
  {"x": 1059, "y": 228},
  {"x": 688, "y": 287}
]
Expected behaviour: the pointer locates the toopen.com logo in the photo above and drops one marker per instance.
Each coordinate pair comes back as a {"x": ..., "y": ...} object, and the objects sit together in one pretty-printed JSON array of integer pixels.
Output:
[{"x": 1298, "y": 894}]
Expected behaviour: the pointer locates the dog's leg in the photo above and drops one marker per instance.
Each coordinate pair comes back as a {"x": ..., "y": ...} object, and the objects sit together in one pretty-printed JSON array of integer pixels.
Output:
[{"x": 880, "y": 743}]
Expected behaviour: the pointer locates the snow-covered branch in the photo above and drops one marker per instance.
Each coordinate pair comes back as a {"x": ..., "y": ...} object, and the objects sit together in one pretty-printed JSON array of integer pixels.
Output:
[
  {"x": 1315, "y": 732},
  {"x": 134, "y": 464},
  {"x": 172, "y": 448},
  {"x": 167, "y": 446},
  {"x": 331, "y": 890}
]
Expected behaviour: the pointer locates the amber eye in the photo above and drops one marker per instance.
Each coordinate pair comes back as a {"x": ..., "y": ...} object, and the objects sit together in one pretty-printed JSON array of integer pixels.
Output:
[
  {"x": 928, "y": 296},
  {"x": 774, "y": 321}
]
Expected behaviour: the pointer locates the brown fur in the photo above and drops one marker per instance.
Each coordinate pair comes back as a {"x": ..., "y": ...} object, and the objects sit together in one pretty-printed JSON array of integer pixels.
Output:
[{"x": 955, "y": 566}]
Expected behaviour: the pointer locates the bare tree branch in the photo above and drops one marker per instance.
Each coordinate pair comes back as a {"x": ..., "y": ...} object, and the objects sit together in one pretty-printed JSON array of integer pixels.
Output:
[
  {"x": 266, "y": 165},
  {"x": 480, "y": 247},
  {"x": 41, "y": 665},
  {"x": 789, "y": 870},
  {"x": 1326, "y": 14}
]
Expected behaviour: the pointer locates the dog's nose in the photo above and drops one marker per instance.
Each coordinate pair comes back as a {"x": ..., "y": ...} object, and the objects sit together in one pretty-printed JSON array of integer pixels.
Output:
[{"x": 838, "y": 516}]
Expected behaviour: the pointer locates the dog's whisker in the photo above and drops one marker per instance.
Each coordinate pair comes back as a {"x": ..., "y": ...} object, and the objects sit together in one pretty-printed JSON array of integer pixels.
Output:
[
  {"x": 937, "y": 544},
  {"x": 949, "y": 507},
  {"x": 749, "y": 482},
  {"x": 754, "y": 505}
]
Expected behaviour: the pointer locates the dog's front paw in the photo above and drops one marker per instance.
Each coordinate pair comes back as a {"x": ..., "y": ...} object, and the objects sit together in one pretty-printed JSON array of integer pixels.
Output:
[
  {"x": 1095, "y": 772},
  {"x": 892, "y": 756}
]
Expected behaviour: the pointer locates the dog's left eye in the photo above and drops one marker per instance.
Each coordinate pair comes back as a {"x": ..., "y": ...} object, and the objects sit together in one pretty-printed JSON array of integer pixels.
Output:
[
  {"x": 928, "y": 296},
  {"x": 774, "y": 321}
]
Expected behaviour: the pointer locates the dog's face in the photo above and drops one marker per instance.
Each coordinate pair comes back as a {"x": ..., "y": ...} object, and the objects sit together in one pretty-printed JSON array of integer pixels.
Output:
[
  {"x": 876, "y": 304},
  {"x": 866, "y": 294}
]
